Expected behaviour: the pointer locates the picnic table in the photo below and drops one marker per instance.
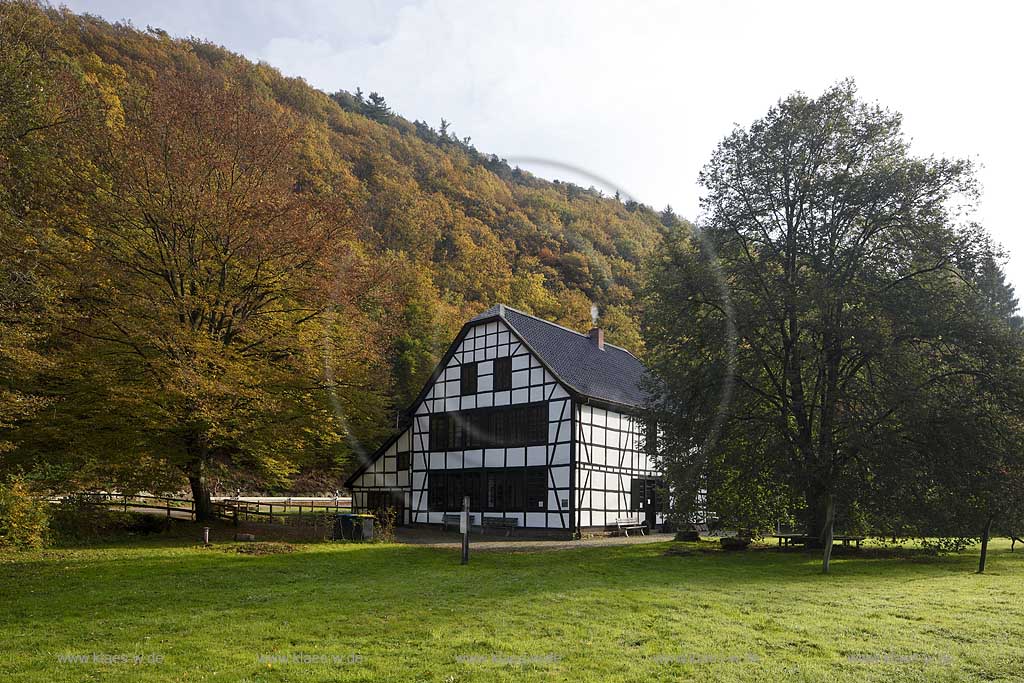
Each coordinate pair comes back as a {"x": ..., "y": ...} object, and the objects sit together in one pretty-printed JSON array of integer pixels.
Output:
[{"x": 804, "y": 539}]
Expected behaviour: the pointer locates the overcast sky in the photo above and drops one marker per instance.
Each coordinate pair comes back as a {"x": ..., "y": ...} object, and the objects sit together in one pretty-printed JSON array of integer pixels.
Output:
[{"x": 639, "y": 93}]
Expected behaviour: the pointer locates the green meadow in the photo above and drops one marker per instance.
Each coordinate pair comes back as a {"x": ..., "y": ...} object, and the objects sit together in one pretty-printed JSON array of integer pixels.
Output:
[{"x": 162, "y": 608}]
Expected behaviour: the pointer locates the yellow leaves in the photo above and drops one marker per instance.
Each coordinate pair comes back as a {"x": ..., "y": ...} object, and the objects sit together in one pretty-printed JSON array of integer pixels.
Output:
[{"x": 107, "y": 80}]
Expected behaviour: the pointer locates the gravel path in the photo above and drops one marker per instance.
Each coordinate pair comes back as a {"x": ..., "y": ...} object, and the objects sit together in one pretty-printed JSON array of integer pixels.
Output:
[{"x": 450, "y": 539}]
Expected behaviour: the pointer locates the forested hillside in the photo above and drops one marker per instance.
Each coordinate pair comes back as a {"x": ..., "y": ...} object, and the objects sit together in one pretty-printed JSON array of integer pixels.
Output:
[{"x": 215, "y": 270}]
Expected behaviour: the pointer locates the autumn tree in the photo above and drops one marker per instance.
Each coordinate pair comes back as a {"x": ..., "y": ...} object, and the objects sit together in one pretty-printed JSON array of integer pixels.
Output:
[
  {"x": 47, "y": 103},
  {"x": 224, "y": 319}
]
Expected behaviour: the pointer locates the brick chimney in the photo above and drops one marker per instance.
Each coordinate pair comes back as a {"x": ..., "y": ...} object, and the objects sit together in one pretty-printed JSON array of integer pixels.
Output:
[{"x": 597, "y": 336}]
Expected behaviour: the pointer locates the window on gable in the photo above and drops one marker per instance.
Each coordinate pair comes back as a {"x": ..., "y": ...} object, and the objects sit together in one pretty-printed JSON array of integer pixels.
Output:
[
  {"x": 503, "y": 373},
  {"x": 403, "y": 461},
  {"x": 439, "y": 426},
  {"x": 507, "y": 426},
  {"x": 467, "y": 379},
  {"x": 537, "y": 423},
  {"x": 436, "y": 490}
]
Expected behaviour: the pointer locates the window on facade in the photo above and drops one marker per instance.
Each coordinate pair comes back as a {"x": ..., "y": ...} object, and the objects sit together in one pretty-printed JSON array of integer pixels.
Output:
[
  {"x": 508, "y": 426},
  {"x": 461, "y": 483},
  {"x": 643, "y": 489},
  {"x": 403, "y": 461},
  {"x": 467, "y": 379},
  {"x": 503, "y": 373},
  {"x": 506, "y": 490},
  {"x": 536, "y": 489},
  {"x": 537, "y": 423},
  {"x": 636, "y": 494},
  {"x": 512, "y": 489},
  {"x": 436, "y": 490}
]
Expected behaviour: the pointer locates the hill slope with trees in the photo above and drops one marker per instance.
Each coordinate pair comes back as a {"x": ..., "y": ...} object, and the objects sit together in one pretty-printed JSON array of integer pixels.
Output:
[{"x": 218, "y": 271}]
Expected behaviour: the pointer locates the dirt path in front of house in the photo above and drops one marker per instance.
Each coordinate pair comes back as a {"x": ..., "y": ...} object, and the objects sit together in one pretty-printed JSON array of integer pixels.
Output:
[{"x": 434, "y": 538}]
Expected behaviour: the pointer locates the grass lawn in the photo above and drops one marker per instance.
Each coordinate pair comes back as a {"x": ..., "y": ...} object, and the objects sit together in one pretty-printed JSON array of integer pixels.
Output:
[{"x": 340, "y": 612}]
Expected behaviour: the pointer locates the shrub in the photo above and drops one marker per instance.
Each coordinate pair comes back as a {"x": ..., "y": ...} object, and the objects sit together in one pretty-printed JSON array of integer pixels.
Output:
[
  {"x": 947, "y": 544},
  {"x": 384, "y": 525},
  {"x": 79, "y": 518},
  {"x": 735, "y": 542},
  {"x": 23, "y": 515}
]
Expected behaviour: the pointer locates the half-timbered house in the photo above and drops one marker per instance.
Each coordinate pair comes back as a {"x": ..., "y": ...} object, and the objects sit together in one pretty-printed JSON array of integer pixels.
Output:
[{"x": 533, "y": 421}]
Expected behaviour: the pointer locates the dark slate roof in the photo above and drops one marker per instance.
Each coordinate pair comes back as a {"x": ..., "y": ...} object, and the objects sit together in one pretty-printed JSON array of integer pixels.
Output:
[{"x": 611, "y": 375}]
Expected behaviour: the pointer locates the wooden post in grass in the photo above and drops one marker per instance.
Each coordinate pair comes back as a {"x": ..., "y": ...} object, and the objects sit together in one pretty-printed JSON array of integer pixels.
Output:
[{"x": 464, "y": 528}]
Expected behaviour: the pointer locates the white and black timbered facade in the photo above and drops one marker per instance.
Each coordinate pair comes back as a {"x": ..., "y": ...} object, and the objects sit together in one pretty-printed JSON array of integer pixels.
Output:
[{"x": 531, "y": 420}]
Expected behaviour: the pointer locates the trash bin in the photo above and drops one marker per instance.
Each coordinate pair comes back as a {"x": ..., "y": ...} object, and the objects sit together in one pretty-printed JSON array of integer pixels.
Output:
[
  {"x": 366, "y": 526},
  {"x": 353, "y": 527},
  {"x": 342, "y": 527}
]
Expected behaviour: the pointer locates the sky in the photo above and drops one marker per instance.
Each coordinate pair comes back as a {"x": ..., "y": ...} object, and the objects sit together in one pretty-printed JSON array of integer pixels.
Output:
[{"x": 635, "y": 95}]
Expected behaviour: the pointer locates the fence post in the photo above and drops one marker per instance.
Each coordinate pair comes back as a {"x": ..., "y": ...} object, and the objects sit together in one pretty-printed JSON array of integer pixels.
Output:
[
  {"x": 464, "y": 524},
  {"x": 271, "y": 513}
]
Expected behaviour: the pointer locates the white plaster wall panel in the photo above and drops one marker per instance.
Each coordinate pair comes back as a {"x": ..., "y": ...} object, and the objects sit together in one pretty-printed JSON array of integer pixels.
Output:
[
  {"x": 561, "y": 454},
  {"x": 473, "y": 459},
  {"x": 516, "y": 457},
  {"x": 536, "y": 455},
  {"x": 560, "y": 475},
  {"x": 556, "y": 392}
]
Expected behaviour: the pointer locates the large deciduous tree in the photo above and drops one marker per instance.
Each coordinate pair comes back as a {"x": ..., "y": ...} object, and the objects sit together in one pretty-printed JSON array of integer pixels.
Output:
[
  {"x": 224, "y": 299},
  {"x": 820, "y": 295}
]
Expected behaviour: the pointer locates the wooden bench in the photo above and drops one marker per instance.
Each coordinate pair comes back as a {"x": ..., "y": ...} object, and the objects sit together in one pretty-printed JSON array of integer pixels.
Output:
[
  {"x": 627, "y": 524},
  {"x": 506, "y": 523},
  {"x": 453, "y": 520},
  {"x": 804, "y": 539}
]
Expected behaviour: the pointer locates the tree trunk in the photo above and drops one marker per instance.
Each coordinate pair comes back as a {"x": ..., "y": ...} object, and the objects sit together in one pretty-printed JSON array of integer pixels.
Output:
[
  {"x": 827, "y": 534},
  {"x": 984, "y": 545},
  {"x": 201, "y": 494},
  {"x": 816, "y": 519}
]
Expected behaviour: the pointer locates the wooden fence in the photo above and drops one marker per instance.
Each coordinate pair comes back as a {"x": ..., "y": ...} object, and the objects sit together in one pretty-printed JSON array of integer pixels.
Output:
[{"x": 288, "y": 511}]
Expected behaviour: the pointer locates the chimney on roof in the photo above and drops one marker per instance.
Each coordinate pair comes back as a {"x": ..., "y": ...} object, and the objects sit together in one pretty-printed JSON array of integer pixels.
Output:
[{"x": 597, "y": 336}]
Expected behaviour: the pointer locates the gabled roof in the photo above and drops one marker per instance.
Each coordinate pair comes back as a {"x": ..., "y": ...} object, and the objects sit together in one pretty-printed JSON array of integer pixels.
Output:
[{"x": 613, "y": 375}]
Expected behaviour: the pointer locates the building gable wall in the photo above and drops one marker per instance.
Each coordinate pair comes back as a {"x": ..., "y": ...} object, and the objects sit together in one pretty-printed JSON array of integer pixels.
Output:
[{"x": 531, "y": 383}]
